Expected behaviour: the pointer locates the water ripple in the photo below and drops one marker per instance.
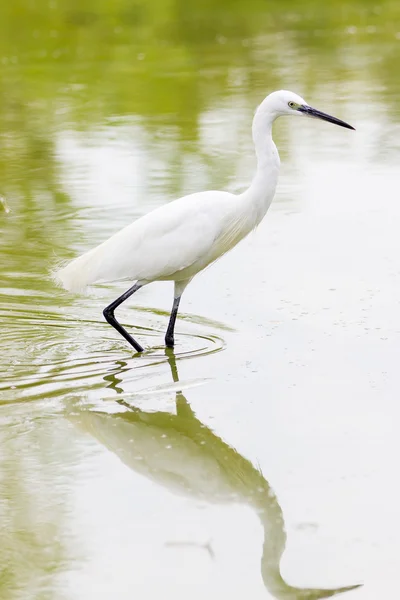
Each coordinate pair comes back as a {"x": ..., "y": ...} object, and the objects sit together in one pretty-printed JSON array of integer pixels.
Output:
[{"x": 51, "y": 354}]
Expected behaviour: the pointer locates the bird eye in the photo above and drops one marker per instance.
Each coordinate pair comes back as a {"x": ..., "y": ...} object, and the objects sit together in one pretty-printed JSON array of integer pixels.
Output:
[{"x": 292, "y": 104}]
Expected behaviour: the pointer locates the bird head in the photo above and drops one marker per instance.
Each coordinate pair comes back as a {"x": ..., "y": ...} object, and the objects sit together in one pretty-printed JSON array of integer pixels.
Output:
[{"x": 284, "y": 103}]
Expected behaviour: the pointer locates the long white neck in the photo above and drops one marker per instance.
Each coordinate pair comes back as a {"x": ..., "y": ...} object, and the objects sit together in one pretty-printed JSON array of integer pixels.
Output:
[{"x": 262, "y": 189}]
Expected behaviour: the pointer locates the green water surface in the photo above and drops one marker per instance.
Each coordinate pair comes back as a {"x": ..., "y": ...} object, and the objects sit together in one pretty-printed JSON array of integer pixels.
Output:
[{"x": 260, "y": 459}]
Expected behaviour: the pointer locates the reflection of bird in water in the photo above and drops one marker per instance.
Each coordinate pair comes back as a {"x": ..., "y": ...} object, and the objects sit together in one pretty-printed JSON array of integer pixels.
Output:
[{"x": 179, "y": 452}]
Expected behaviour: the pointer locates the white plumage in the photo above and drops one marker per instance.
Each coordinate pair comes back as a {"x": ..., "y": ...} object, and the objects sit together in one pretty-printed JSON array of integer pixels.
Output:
[
  {"x": 173, "y": 242},
  {"x": 177, "y": 240}
]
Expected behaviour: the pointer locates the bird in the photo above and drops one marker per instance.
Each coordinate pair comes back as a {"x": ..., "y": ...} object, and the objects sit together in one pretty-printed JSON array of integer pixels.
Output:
[
  {"x": 177, "y": 240},
  {"x": 199, "y": 465}
]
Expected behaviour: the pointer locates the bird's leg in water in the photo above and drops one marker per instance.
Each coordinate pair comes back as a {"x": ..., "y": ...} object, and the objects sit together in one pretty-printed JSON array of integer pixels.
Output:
[
  {"x": 108, "y": 313},
  {"x": 169, "y": 336}
]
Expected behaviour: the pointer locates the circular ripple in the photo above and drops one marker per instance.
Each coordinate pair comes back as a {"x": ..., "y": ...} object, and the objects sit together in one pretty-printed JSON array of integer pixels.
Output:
[
  {"x": 194, "y": 345},
  {"x": 52, "y": 355}
]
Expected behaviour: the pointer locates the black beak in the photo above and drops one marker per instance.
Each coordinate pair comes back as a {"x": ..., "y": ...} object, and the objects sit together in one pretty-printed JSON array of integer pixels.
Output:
[{"x": 317, "y": 114}]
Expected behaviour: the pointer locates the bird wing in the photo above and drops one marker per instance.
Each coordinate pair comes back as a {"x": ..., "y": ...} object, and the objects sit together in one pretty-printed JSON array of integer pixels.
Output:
[{"x": 159, "y": 245}]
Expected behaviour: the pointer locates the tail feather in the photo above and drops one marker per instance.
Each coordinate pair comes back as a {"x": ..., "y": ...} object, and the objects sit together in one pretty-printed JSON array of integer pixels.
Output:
[{"x": 76, "y": 275}]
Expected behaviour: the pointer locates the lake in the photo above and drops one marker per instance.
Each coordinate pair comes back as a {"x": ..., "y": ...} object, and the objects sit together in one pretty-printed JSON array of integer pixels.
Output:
[{"x": 259, "y": 458}]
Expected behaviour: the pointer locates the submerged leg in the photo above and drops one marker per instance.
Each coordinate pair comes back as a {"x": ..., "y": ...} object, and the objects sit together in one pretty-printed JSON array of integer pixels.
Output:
[
  {"x": 178, "y": 291},
  {"x": 108, "y": 313}
]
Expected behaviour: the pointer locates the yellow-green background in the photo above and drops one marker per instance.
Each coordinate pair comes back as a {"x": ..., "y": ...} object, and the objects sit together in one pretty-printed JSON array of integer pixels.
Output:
[{"x": 107, "y": 110}]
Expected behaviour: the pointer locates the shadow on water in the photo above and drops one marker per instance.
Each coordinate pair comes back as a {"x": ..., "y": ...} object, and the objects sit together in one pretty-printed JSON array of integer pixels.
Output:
[{"x": 198, "y": 464}]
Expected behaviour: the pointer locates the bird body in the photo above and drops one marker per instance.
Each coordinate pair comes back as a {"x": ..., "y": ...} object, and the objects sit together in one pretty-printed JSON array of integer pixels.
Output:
[
  {"x": 173, "y": 242},
  {"x": 178, "y": 240}
]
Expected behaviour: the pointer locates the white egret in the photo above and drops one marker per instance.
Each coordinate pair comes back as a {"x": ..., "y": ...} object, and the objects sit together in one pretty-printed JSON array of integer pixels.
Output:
[{"x": 178, "y": 240}]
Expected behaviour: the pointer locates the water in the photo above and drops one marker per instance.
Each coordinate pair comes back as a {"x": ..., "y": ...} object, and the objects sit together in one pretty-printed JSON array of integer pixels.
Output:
[{"x": 261, "y": 457}]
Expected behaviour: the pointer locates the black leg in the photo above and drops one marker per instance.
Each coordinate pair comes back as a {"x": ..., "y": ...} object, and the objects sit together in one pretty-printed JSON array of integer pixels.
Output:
[
  {"x": 169, "y": 336},
  {"x": 108, "y": 313}
]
